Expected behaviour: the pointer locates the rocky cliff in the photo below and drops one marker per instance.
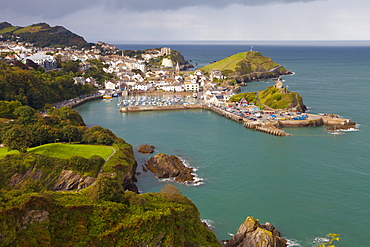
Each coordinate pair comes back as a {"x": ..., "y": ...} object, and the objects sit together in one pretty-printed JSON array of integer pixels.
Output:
[
  {"x": 252, "y": 234},
  {"x": 72, "y": 219},
  {"x": 169, "y": 166}
]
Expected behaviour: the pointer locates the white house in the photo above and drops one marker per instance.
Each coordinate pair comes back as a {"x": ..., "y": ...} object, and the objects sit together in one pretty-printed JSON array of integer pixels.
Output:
[
  {"x": 193, "y": 87},
  {"x": 142, "y": 86},
  {"x": 167, "y": 63},
  {"x": 46, "y": 61},
  {"x": 110, "y": 85},
  {"x": 217, "y": 100},
  {"x": 79, "y": 80},
  {"x": 215, "y": 74}
]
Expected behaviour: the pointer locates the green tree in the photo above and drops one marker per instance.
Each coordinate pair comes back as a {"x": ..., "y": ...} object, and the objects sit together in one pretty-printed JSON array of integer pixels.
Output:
[
  {"x": 40, "y": 134},
  {"x": 70, "y": 116},
  {"x": 108, "y": 188},
  {"x": 71, "y": 133},
  {"x": 99, "y": 135},
  {"x": 17, "y": 138},
  {"x": 7, "y": 108},
  {"x": 26, "y": 114},
  {"x": 71, "y": 66}
]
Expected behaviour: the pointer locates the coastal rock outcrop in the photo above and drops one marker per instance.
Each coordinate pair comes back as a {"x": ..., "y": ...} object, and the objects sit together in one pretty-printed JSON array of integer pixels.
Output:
[
  {"x": 252, "y": 234},
  {"x": 69, "y": 180},
  {"x": 146, "y": 149},
  {"x": 169, "y": 166}
]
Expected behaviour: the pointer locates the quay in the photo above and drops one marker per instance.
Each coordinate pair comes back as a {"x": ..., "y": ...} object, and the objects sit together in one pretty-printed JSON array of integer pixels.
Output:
[
  {"x": 265, "y": 124},
  {"x": 160, "y": 108},
  {"x": 78, "y": 101}
]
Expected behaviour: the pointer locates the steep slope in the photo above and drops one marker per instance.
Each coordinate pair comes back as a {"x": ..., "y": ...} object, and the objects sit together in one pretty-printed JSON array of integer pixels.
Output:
[
  {"x": 73, "y": 219},
  {"x": 41, "y": 34},
  {"x": 247, "y": 66},
  {"x": 273, "y": 98}
]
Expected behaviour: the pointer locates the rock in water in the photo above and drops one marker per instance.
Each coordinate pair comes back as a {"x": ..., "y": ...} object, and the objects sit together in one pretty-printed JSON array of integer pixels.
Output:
[
  {"x": 169, "y": 166},
  {"x": 252, "y": 234},
  {"x": 146, "y": 149}
]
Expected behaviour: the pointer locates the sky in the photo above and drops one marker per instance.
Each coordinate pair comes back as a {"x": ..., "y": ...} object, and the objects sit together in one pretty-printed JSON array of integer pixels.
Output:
[{"x": 116, "y": 21}]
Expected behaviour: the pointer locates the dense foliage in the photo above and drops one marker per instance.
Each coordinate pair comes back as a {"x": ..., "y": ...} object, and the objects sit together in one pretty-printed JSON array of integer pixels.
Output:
[
  {"x": 37, "y": 88},
  {"x": 74, "y": 219},
  {"x": 42, "y": 35},
  {"x": 273, "y": 98}
]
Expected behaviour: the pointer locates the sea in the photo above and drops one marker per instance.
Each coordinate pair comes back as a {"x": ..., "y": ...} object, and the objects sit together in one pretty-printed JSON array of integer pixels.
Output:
[{"x": 307, "y": 185}]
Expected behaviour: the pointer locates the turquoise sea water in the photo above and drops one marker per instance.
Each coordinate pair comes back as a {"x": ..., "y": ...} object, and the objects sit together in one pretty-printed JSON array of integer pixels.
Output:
[{"x": 307, "y": 185}]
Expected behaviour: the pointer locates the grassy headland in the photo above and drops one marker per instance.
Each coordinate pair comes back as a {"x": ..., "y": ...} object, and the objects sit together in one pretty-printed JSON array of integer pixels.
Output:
[
  {"x": 273, "y": 98},
  {"x": 247, "y": 66}
]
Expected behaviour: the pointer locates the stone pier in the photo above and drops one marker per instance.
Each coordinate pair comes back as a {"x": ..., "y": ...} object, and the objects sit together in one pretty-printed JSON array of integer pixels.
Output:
[{"x": 270, "y": 126}]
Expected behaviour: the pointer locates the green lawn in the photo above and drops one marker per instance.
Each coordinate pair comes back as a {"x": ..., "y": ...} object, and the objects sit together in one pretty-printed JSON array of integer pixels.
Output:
[
  {"x": 4, "y": 152},
  {"x": 65, "y": 151}
]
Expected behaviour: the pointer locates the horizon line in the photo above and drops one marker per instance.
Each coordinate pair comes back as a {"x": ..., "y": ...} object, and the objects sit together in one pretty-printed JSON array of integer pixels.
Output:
[{"x": 241, "y": 42}]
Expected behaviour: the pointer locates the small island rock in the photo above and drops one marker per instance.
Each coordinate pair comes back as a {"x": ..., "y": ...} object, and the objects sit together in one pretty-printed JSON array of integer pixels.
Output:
[
  {"x": 169, "y": 166},
  {"x": 252, "y": 234},
  {"x": 146, "y": 149}
]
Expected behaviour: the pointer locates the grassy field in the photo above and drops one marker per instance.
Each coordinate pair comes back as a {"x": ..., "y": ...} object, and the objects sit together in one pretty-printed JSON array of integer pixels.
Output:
[
  {"x": 227, "y": 63},
  {"x": 65, "y": 151},
  {"x": 256, "y": 59},
  {"x": 29, "y": 29},
  {"x": 9, "y": 29}
]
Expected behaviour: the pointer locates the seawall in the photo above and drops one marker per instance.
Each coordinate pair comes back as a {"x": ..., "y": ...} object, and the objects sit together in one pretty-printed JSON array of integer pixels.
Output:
[{"x": 269, "y": 126}]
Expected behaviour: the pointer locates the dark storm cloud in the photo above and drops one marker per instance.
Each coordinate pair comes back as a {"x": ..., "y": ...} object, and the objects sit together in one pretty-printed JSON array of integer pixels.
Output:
[{"x": 58, "y": 8}]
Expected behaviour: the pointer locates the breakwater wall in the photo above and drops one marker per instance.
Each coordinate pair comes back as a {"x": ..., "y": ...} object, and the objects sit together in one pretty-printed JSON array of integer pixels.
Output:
[
  {"x": 269, "y": 126},
  {"x": 224, "y": 113},
  {"x": 265, "y": 127},
  {"x": 160, "y": 108},
  {"x": 254, "y": 125}
]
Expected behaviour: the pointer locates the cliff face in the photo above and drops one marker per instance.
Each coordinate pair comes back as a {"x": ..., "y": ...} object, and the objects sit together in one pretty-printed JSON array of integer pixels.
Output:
[
  {"x": 252, "y": 234},
  {"x": 72, "y": 219}
]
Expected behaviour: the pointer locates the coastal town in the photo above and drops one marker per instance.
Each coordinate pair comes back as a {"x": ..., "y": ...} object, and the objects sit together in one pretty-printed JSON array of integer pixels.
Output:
[
  {"x": 131, "y": 74},
  {"x": 145, "y": 86}
]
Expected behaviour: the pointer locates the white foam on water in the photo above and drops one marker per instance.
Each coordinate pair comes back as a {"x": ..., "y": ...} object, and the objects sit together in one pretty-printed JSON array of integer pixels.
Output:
[
  {"x": 292, "y": 243},
  {"x": 321, "y": 240},
  {"x": 209, "y": 223},
  {"x": 197, "y": 180}
]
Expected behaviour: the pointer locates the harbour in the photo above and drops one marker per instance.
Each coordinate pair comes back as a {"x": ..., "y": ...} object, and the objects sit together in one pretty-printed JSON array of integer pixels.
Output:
[
  {"x": 307, "y": 185},
  {"x": 265, "y": 122}
]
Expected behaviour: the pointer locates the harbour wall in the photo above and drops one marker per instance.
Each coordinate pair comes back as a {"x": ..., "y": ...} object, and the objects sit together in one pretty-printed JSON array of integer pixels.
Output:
[
  {"x": 160, "y": 108},
  {"x": 270, "y": 126}
]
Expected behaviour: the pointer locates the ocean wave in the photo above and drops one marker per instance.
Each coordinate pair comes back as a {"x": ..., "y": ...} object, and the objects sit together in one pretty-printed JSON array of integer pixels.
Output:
[
  {"x": 321, "y": 240},
  {"x": 209, "y": 223},
  {"x": 292, "y": 242},
  {"x": 197, "y": 180}
]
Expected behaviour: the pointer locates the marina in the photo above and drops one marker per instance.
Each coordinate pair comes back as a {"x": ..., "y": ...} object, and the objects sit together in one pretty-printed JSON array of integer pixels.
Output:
[{"x": 251, "y": 118}]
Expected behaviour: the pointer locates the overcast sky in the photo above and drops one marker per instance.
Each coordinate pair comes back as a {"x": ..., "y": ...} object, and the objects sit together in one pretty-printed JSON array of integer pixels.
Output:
[{"x": 186, "y": 20}]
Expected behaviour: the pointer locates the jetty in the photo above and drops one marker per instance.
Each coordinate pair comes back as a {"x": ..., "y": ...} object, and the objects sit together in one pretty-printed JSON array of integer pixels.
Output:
[{"x": 264, "y": 123}]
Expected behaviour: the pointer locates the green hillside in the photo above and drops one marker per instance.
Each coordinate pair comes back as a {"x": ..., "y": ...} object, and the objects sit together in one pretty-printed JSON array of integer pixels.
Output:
[
  {"x": 41, "y": 35},
  {"x": 247, "y": 66},
  {"x": 274, "y": 98}
]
